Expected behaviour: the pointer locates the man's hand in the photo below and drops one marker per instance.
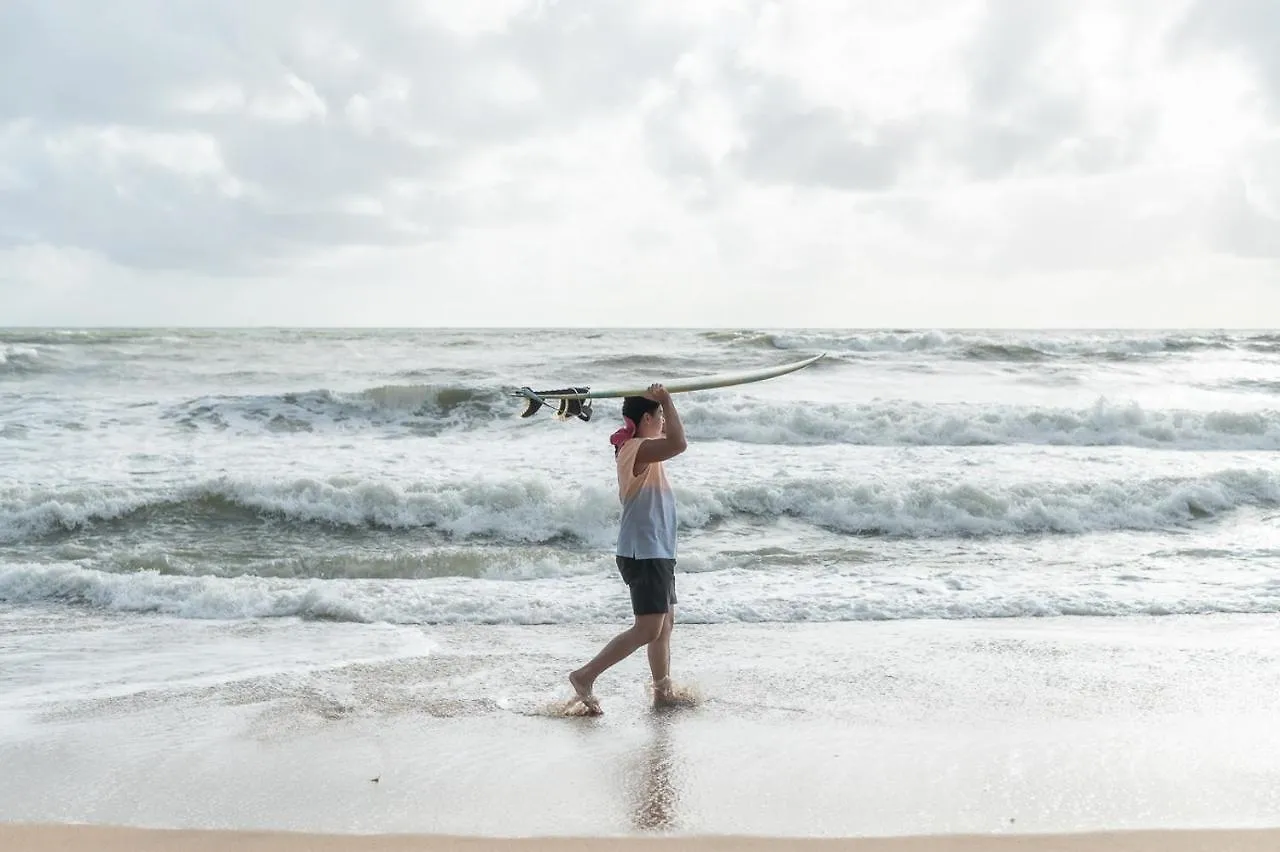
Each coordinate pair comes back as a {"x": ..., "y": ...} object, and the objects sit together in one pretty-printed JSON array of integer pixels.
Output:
[
  {"x": 671, "y": 442},
  {"x": 658, "y": 394}
]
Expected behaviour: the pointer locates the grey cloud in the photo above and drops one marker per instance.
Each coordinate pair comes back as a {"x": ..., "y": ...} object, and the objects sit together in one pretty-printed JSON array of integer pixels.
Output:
[
  {"x": 593, "y": 54},
  {"x": 786, "y": 139},
  {"x": 93, "y": 63},
  {"x": 307, "y": 166},
  {"x": 85, "y": 65},
  {"x": 794, "y": 143},
  {"x": 149, "y": 217},
  {"x": 1250, "y": 206},
  {"x": 1006, "y": 49},
  {"x": 142, "y": 214},
  {"x": 1018, "y": 120},
  {"x": 1049, "y": 133},
  {"x": 89, "y": 66},
  {"x": 80, "y": 64},
  {"x": 671, "y": 150},
  {"x": 1247, "y": 233},
  {"x": 1248, "y": 28}
]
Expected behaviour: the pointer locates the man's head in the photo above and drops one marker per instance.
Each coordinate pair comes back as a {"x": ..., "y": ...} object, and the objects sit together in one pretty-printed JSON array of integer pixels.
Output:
[{"x": 646, "y": 414}]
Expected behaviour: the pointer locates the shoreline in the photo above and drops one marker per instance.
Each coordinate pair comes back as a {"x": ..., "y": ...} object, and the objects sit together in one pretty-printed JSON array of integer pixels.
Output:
[
  {"x": 888, "y": 730},
  {"x": 44, "y": 837}
]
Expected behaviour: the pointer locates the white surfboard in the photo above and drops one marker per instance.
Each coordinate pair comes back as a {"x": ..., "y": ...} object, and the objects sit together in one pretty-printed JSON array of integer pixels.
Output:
[{"x": 576, "y": 402}]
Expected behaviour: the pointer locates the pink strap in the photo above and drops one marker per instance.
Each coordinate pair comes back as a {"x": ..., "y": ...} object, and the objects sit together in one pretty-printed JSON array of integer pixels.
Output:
[{"x": 626, "y": 433}]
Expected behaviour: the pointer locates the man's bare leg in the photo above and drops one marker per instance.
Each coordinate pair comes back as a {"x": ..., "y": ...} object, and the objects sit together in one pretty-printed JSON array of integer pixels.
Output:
[
  {"x": 660, "y": 659},
  {"x": 646, "y": 629}
]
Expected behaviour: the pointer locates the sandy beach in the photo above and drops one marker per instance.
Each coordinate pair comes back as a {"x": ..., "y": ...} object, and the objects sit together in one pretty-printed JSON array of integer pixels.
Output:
[
  {"x": 1053, "y": 734},
  {"x": 35, "y": 838}
]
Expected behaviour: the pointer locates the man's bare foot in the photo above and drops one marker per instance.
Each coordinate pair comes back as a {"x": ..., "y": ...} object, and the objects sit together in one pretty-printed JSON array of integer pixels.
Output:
[
  {"x": 583, "y": 690},
  {"x": 665, "y": 694}
]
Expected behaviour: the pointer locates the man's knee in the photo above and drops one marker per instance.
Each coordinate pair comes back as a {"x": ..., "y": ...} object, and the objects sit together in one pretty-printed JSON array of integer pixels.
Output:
[{"x": 649, "y": 628}]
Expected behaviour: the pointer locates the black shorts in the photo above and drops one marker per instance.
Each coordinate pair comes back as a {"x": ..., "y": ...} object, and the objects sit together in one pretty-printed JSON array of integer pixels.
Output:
[{"x": 652, "y": 583}]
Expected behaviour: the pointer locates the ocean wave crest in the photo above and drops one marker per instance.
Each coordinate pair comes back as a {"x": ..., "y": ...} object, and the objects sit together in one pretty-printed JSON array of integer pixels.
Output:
[
  {"x": 991, "y": 346},
  {"x": 913, "y": 424},
  {"x": 80, "y": 337},
  {"x": 23, "y": 360},
  {"x": 723, "y": 597},
  {"x": 419, "y": 409},
  {"x": 530, "y": 511},
  {"x": 534, "y": 512}
]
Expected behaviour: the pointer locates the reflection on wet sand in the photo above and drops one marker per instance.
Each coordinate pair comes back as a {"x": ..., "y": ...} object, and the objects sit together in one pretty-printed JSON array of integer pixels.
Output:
[{"x": 654, "y": 784}]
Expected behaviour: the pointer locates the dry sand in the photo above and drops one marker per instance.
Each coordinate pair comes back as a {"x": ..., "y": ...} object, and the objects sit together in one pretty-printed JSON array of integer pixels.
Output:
[{"x": 42, "y": 838}]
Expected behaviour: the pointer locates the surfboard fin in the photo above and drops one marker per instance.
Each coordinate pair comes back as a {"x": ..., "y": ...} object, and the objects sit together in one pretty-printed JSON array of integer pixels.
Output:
[
  {"x": 579, "y": 408},
  {"x": 535, "y": 402}
]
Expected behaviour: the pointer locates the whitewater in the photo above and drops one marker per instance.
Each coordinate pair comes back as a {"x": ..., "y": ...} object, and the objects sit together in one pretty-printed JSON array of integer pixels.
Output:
[{"x": 385, "y": 476}]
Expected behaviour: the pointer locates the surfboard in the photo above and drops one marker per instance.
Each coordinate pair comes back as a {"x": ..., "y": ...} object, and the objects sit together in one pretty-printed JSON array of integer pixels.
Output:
[{"x": 576, "y": 401}]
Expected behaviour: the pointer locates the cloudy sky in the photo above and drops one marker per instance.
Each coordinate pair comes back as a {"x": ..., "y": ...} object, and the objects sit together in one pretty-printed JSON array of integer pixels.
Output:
[{"x": 589, "y": 162}]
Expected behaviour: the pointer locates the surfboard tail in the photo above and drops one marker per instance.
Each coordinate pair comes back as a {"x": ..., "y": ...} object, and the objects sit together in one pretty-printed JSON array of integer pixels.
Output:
[
  {"x": 533, "y": 402},
  {"x": 579, "y": 408},
  {"x": 566, "y": 407}
]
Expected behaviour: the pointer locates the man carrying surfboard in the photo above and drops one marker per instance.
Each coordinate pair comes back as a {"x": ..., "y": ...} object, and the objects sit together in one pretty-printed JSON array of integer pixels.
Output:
[{"x": 646, "y": 548}]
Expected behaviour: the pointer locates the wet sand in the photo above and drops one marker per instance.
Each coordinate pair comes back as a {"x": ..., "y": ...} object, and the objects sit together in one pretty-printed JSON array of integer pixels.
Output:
[{"x": 1052, "y": 734}]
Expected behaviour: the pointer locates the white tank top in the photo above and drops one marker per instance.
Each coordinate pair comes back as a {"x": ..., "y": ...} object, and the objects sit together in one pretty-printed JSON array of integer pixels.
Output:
[{"x": 648, "y": 526}]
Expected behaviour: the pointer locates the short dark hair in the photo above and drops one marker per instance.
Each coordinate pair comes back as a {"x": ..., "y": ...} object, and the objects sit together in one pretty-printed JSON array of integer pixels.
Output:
[{"x": 635, "y": 407}]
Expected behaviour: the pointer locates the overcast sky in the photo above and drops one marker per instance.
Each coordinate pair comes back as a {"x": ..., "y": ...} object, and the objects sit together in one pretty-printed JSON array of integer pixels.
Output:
[{"x": 589, "y": 162}]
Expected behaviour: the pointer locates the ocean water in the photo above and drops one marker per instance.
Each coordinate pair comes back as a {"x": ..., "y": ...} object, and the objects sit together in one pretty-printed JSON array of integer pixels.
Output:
[
  {"x": 386, "y": 476},
  {"x": 354, "y": 522}
]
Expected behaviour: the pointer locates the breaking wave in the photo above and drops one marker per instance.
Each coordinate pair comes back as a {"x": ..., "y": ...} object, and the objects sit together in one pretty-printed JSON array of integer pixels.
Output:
[
  {"x": 996, "y": 346},
  {"x": 23, "y": 360},
  {"x": 422, "y": 409},
  {"x": 527, "y": 512},
  {"x": 720, "y": 597},
  {"x": 915, "y": 424}
]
